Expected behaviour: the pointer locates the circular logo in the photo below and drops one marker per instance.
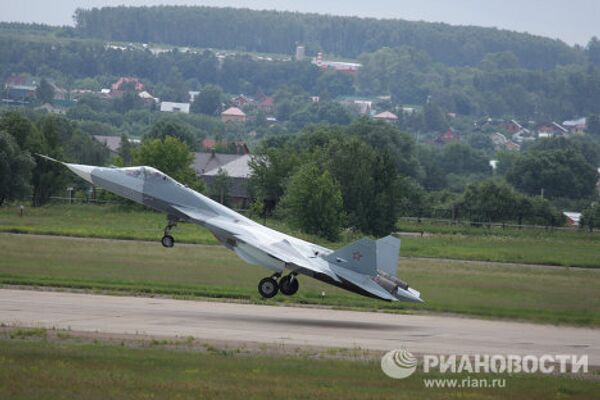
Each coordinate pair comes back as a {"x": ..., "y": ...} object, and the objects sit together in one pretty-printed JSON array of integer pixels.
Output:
[{"x": 399, "y": 363}]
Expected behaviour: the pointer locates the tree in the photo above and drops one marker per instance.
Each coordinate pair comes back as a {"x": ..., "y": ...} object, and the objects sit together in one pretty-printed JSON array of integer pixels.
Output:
[
  {"x": 332, "y": 84},
  {"x": 460, "y": 158},
  {"x": 491, "y": 200},
  {"x": 591, "y": 217},
  {"x": 220, "y": 187},
  {"x": 21, "y": 128},
  {"x": 125, "y": 150},
  {"x": 44, "y": 92},
  {"x": 435, "y": 121},
  {"x": 384, "y": 213},
  {"x": 170, "y": 156},
  {"x": 313, "y": 202},
  {"x": 270, "y": 169},
  {"x": 15, "y": 170},
  {"x": 593, "y": 124},
  {"x": 559, "y": 173},
  {"x": 208, "y": 101},
  {"x": 171, "y": 126},
  {"x": 49, "y": 177},
  {"x": 351, "y": 163},
  {"x": 593, "y": 51}
]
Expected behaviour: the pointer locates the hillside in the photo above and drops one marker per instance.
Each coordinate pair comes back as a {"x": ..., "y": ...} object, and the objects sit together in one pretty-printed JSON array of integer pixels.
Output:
[{"x": 281, "y": 32}]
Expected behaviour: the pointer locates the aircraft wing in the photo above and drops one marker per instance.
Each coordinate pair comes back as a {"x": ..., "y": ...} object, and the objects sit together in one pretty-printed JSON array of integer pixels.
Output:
[{"x": 273, "y": 243}]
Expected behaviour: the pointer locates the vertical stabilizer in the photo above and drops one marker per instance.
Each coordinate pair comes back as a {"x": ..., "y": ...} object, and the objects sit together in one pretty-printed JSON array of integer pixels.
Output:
[
  {"x": 388, "y": 251},
  {"x": 359, "y": 256}
]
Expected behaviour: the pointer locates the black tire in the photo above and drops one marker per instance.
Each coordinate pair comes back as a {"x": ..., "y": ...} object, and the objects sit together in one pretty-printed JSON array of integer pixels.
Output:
[
  {"x": 289, "y": 285},
  {"x": 168, "y": 241},
  {"x": 268, "y": 287}
]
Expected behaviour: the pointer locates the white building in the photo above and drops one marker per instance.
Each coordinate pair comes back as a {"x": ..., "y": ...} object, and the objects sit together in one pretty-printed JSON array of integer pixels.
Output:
[{"x": 167, "y": 106}]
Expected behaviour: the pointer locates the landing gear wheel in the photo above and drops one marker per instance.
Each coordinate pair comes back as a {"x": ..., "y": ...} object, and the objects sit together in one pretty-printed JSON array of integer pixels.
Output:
[
  {"x": 268, "y": 287},
  {"x": 168, "y": 241},
  {"x": 289, "y": 285}
]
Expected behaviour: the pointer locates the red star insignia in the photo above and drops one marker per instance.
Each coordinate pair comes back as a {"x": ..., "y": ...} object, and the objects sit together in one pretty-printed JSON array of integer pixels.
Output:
[{"x": 357, "y": 255}]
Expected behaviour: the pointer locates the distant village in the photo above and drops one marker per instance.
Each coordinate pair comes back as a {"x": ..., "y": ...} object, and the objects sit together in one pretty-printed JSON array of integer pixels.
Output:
[{"x": 506, "y": 135}]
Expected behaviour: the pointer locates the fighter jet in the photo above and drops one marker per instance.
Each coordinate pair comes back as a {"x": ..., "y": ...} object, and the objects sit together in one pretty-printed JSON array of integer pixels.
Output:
[{"x": 367, "y": 267}]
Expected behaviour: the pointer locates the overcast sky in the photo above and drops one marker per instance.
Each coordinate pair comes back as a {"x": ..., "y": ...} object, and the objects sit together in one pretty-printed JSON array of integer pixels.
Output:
[{"x": 574, "y": 21}]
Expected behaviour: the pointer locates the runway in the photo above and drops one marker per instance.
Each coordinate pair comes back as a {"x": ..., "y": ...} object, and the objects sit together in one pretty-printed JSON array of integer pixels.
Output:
[{"x": 293, "y": 326}]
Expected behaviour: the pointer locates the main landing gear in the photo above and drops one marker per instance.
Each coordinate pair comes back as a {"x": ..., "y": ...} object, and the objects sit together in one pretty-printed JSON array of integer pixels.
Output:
[
  {"x": 168, "y": 240},
  {"x": 288, "y": 285}
]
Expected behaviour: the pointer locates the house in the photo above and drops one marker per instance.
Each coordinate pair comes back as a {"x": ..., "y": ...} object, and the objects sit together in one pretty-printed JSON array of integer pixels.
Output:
[
  {"x": 241, "y": 101},
  {"x": 113, "y": 143},
  {"x": 237, "y": 166},
  {"x": 576, "y": 126},
  {"x": 364, "y": 106},
  {"x": 52, "y": 109},
  {"x": 550, "y": 129},
  {"x": 266, "y": 104},
  {"x": 167, "y": 106},
  {"x": 498, "y": 139},
  {"x": 386, "y": 116},
  {"x": 118, "y": 87},
  {"x": 148, "y": 98},
  {"x": 446, "y": 137},
  {"x": 233, "y": 114},
  {"x": 501, "y": 142},
  {"x": 512, "y": 146},
  {"x": 20, "y": 88},
  {"x": 573, "y": 218},
  {"x": 211, "y": 145},
  {"x": 513, "y": 126},
  {"x": 300, "y": 53},
  {"x": 193, "y": 94},
  {"x": 524, "y": 135},
  {"x": 339, "y": 66},
  {"x": 208, "y": 144}
]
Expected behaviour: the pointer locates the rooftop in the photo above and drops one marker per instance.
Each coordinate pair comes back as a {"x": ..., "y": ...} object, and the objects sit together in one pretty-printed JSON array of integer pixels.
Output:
[{"x": 234, "y": 111}]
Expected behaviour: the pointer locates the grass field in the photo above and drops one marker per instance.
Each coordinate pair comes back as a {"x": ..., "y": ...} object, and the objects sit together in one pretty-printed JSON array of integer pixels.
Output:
[
  {"x": 40, "y": 369},
  {"x": 579, "y": 249},
  {"x": 543, "y": 294}
]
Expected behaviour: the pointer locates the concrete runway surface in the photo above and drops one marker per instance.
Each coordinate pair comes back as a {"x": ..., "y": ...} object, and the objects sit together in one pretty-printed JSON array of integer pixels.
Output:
[{"x": 293, "y": 326}]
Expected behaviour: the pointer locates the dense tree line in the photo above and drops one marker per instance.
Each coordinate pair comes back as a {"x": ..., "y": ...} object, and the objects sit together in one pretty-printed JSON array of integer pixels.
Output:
[
  {"x": 378, "y": 182},
  {"x": 166, "y": 72},
  {"x": 498, "y": 86},
  {"x": 23, "y": 176},
  {"x": 280, "y": 32}
]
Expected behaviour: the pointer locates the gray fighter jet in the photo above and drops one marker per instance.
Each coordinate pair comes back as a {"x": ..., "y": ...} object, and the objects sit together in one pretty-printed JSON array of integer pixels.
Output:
[{"x": 366, "y": 267}]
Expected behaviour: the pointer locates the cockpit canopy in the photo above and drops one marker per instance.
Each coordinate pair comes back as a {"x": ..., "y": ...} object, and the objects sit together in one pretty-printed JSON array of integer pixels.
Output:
[{"x": 147, "y": 174}]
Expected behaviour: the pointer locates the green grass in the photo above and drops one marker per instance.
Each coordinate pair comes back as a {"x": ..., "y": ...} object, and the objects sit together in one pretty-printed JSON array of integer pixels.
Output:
[
  {"x": 575, "y": 249},
  {"x": 541, "y": 294},
  {"x": 50, "y": 370}
]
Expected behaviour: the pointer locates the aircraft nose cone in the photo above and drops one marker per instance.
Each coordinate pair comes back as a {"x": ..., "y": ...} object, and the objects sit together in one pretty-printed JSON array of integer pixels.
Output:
[{"x": 84, "y": 171}]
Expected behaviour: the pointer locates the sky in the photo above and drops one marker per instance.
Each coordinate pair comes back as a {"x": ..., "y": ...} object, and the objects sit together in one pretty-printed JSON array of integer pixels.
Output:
[{"x": 573, "y": 21}]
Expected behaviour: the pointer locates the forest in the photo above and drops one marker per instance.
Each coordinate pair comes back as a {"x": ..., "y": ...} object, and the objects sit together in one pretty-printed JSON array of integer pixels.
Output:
[
  {"x": 280, "y": 32},
  {"x": 497, "y": 87}
]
